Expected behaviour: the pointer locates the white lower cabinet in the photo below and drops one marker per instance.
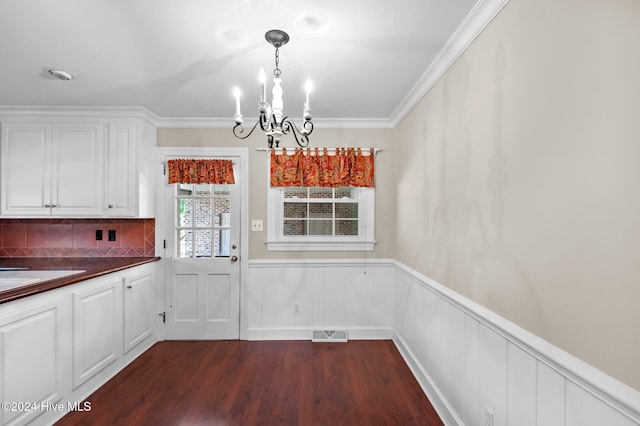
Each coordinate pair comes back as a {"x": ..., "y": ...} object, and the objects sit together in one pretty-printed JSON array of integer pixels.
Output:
[
  {"x": 58, "y": 347},
  {"x": 32, "y": 360},
  {"x": 138, "y": 309},
  {"x": 95, "y": 330}
]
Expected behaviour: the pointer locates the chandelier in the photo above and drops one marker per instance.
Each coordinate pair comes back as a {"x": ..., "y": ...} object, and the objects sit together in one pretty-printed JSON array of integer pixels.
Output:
[{"x": 272, "y": 120}]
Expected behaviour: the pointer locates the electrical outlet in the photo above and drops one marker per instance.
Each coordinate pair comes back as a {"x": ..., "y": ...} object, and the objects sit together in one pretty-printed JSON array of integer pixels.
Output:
[
  {"x": 112, "y": 234},
  {"x": 296, "y": 308},
  {"x": 256, "y": 225},
  {"x": 488, "y": 417},
  {"x": 98, "y": 234}
]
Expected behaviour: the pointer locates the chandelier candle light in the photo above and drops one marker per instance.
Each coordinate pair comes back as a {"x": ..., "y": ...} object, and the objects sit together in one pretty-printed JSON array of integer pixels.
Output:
[{"x": 272, "y": 120}]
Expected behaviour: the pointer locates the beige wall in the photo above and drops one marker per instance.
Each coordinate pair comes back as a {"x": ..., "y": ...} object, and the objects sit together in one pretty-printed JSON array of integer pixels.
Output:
[
  {"x": 519, "y": 177},
  {"x": 258, "y": 184}
]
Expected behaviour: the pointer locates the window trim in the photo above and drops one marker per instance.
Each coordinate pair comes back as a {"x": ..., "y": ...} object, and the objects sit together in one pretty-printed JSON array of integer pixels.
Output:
[{"x": 364, "y": 241}]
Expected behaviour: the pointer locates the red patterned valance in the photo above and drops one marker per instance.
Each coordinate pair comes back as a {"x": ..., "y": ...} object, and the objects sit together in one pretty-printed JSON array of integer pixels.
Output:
[
  {"x": 186, "y": 170},
  {"x": 347, "y": 167}
]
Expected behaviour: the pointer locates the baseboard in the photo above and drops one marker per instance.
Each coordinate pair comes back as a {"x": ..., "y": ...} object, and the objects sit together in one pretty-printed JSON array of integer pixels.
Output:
[
  {"x": 354, "y": 333},
  {"x": 439, "y": 403}
]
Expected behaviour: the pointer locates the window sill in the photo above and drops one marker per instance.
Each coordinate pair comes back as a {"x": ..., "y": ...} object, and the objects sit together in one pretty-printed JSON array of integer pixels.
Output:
[{"x": 320, "y": 246}]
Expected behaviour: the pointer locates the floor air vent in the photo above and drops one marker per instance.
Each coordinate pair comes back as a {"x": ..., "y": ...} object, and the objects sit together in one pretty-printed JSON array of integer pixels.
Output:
[{"x": 329, "y": 336}]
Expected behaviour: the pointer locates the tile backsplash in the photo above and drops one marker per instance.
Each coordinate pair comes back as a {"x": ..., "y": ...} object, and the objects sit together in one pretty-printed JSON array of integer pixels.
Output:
[{"x": 76, "y": 237}]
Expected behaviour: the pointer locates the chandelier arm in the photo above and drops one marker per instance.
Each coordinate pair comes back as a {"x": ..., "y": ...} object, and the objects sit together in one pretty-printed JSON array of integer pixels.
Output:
[
  {"x": 301, "y": 138},
  {"x": 238, "y": 133},
  {"x": 307, "y": 126}
]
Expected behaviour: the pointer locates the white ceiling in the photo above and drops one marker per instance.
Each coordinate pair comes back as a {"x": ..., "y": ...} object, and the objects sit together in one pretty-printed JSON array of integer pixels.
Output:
[{"x": 181, "y": 59}]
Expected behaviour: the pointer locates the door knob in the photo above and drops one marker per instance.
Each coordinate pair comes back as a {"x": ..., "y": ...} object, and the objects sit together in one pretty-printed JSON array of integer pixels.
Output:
[{"x": 234, "y": 259}]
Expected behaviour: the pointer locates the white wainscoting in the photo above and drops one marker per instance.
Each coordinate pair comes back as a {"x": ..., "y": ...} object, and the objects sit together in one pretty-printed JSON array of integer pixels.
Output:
[
  {"x": 465, "y": 357},
  {"x": 355, "y": 296}
]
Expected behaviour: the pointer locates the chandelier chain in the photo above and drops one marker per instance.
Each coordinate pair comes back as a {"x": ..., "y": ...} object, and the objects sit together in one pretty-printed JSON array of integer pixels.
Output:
[{"x": 276, "y": 71}]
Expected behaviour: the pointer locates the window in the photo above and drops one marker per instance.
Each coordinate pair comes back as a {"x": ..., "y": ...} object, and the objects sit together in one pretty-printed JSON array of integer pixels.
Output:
[
  {"x": 203, "y": 220},
  {"x": 319, "y": 218}
]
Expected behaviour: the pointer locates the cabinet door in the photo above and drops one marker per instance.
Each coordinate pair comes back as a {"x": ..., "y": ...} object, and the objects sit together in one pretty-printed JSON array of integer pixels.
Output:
[
  {"x": 26, "y": 169},
  {"x": 138, "y": 309},
  {"x": 78, "y": 169},
  {"x": 121, "y": 170},
  {"x": 32, "y": 360},
  {"x": 95, "y": 330}
]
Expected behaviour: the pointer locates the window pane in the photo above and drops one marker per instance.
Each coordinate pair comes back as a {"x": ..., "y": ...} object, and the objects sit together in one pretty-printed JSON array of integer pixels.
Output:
[
  {"x": 203, "y": 211},
  {"x": 320, "y": 192},
  {"x": 203, "y": 243},
  {"x": 223, "y": 220},
  {"x": 346, "y": 227},
  {"x": 295, "y": 192},
  {"x": 295, "y": 227},
  {"x": 321, "y": 210},
  {"x": 221, "y": 190},
  {"x": 202, "y": 190},
  {"x": 347, "y": 192},
  {"x": 185, "y": 212},
  {"x": 295, "y": 210},
  {"x": 320, "y": 227},
  {"x": 185, "y": 189},
  {"x": 185, "y": 243},
  {"x": 221, "y": 241},
  {"x": 349, "y": 210},
  {"x": 223, "y": 205}
]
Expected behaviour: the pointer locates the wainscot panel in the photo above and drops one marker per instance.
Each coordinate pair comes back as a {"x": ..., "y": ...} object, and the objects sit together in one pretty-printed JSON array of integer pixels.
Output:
[
  {"x": 290, "y": 299},
  {"x": 470, "y": 362}
]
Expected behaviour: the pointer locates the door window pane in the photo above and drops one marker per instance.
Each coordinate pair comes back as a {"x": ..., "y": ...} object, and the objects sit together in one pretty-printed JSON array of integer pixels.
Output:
[
  {"x": 202, "y": 211},
  {"x": 203, "y": 243},
  {"x": 203, "y": 227},
  {"x": 185, "y": 243}
]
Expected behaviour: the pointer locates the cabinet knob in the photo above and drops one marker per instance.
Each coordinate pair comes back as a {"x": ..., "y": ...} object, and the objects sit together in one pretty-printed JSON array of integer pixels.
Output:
[
  {"x": 129, "y": 286},
  {"x": 110, "y": 206}
]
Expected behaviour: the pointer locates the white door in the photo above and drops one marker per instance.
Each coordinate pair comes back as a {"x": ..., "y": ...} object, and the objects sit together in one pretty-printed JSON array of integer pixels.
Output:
[{"x": 203, "y": 288}]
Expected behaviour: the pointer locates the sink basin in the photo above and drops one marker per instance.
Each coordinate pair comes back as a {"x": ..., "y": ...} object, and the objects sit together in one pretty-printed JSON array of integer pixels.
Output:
[{"x": 14, "y": 278}]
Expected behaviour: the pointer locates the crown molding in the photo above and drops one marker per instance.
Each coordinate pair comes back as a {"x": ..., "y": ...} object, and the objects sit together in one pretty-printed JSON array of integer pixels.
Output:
[
  {"x": 44, "y": 112},
  {"x": 475, "y": 22}
]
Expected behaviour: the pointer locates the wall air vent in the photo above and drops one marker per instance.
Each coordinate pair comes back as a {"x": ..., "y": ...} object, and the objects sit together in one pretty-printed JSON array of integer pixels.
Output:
[{"x": 329, "y": 336}]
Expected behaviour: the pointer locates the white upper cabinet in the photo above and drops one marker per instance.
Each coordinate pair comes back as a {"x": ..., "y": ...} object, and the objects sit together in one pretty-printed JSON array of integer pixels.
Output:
[
  {"x": 52, "y": 169},
  {"x": 26, "y": 164},
  {"x": 77, "y": 168},
  {"x": 121, "y": 170}
]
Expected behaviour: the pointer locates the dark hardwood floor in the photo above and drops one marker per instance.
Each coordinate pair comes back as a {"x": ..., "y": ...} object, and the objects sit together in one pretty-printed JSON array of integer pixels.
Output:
[{"x": 262, "y": 383}]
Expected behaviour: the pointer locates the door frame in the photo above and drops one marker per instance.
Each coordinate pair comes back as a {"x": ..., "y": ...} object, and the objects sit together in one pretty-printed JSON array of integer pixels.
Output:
[{"x": 242, "y": 154}]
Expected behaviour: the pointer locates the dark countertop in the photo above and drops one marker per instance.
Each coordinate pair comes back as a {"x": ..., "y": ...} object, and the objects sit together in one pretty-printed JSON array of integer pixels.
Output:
[{"x": 93, "y": 267}]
